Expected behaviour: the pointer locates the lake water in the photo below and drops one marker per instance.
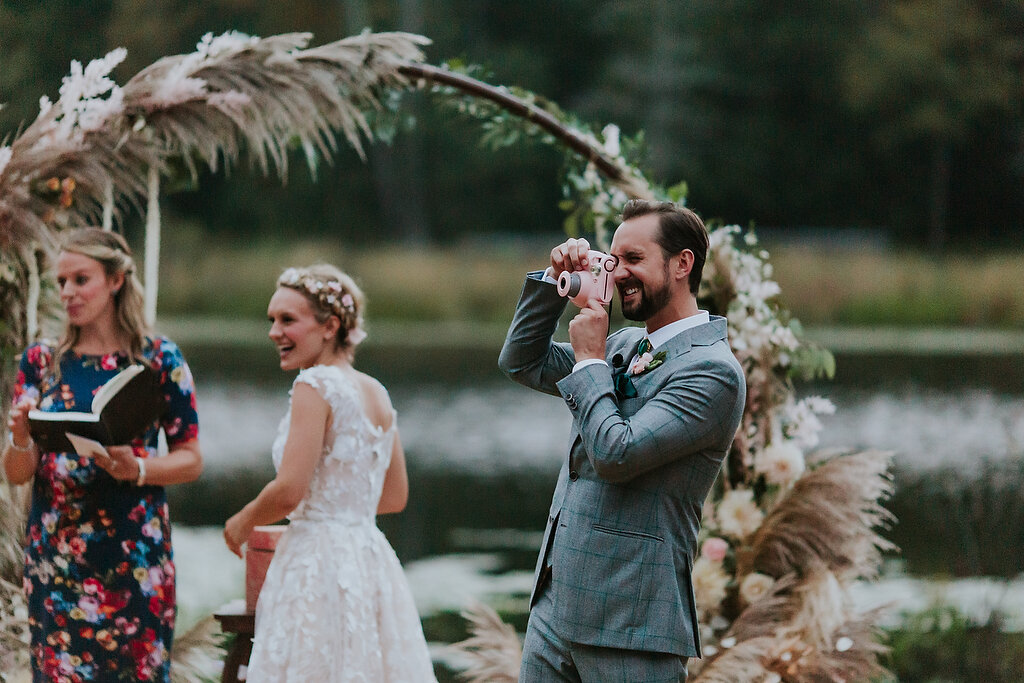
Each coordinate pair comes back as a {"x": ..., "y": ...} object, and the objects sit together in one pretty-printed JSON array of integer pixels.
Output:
[{"x": 497, "y": 427}]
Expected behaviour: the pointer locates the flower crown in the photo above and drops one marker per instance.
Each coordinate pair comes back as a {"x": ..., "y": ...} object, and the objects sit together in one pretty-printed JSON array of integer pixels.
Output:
[{"x": 330, "y": 295}]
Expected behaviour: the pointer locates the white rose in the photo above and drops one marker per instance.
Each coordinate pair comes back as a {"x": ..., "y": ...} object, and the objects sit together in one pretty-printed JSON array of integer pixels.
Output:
[
  {"x": 780, "y": 463},
  {"x": 755, "y": 586},
  {"x": 738, "y": 514},
  {"x": 709, "y": 584}
]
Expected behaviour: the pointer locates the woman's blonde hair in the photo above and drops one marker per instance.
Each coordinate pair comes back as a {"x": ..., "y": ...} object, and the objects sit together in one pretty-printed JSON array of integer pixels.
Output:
[
  {"x": 330, "y": 292},
  {"x": 112, "y": 252}
]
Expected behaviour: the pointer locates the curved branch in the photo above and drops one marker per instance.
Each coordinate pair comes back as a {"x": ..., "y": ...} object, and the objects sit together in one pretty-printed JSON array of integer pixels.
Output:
[{"x": 520, "y": 108}]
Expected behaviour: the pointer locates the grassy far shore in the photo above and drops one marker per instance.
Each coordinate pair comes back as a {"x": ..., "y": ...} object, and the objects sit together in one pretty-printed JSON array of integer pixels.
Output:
[{"x": 479, "y": 282}]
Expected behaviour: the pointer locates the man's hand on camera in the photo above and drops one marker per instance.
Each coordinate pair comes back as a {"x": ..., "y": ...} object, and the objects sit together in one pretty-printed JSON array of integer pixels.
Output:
[
  {"x": 588, "y": 332},
  {"x": 570, "y": 255}
]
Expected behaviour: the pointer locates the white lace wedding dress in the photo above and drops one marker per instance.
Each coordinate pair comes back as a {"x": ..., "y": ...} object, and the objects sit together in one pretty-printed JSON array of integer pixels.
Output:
[{"x": 336, "y": 605}]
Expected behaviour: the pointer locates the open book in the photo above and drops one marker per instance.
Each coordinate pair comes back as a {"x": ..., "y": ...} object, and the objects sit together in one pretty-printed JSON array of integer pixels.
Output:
[{"x": 122, "y": 409}]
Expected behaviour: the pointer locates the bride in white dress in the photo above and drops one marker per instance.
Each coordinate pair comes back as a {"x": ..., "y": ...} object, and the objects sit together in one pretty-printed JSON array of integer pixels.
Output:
[{"x": 335, "y": 605}]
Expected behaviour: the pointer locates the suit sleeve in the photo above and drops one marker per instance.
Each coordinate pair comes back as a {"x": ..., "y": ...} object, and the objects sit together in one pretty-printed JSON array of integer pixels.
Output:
[
  {"x": 529, "y": 355},
  {"x": 691, "y": 413}
]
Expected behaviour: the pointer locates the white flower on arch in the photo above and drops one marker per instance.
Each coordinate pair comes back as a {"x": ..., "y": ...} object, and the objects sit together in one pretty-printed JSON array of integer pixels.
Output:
[
  {"x": 780, "y": 463},
  {"x": 709, "y": 584},
  {"x": 738, "y": 514},
  {"x": 755, "y": 586}
]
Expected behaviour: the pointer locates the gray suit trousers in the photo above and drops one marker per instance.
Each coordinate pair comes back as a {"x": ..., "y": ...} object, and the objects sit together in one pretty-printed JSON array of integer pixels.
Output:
[{"x": 548, "y": 657}]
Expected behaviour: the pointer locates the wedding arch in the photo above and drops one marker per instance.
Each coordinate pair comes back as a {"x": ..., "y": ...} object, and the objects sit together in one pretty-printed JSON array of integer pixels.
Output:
[{"x": 786, "y": 532}]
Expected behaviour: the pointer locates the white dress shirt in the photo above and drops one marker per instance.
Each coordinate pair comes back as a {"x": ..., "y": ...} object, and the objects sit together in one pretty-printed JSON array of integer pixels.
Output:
[{"x": 658, "y": 337}]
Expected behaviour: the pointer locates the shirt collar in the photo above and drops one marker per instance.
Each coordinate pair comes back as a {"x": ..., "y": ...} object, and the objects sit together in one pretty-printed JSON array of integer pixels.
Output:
[{"x": 663, "y": 334}]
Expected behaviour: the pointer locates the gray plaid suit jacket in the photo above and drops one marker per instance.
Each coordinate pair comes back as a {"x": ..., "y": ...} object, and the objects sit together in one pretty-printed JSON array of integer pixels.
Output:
[{"x": 622, "y": 529}]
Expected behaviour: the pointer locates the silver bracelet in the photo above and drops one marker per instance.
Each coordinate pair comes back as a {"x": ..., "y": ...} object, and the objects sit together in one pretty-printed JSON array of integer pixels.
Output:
[
  {"x": 20, "y": 449},
  {"x": 141, "y": 481}
]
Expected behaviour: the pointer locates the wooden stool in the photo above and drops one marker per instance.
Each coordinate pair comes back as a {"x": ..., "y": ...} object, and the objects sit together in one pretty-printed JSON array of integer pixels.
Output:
[{"x": 243, "y": 625}]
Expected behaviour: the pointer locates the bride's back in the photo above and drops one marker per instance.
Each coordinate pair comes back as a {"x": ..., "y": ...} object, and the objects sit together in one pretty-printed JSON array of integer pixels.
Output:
[
  {"x": 375, "y": 399},
  {"x": 358, "y": 441}
]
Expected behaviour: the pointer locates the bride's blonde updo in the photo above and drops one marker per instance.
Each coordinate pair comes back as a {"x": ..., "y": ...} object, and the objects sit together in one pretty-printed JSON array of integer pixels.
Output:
[{"x": 330, "y": 292}]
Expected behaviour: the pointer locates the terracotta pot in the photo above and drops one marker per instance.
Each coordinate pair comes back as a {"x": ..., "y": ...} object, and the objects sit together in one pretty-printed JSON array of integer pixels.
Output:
[{"x": 260, "y": 550}]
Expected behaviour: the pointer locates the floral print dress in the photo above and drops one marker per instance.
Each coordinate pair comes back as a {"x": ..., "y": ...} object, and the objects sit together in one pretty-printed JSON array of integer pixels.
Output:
[{"x": 99, "y": 572}]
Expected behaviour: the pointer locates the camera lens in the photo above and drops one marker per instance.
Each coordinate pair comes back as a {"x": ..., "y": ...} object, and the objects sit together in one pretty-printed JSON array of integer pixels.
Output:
[
  {"x": 575, "y": 282},
  {"x": 569, "y": 284}
]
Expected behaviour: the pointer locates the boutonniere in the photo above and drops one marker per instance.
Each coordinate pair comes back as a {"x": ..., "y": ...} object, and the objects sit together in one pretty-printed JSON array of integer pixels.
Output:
[{"x": 646, "y": 361}]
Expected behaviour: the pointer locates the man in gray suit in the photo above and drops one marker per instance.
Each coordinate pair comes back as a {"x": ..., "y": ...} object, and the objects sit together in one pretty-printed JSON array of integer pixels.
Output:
[{"x": 612, "y": 598}]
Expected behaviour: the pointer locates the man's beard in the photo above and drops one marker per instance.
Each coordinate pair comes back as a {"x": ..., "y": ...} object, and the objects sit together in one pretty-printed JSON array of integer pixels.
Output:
[{"x": 649, "y": 304}]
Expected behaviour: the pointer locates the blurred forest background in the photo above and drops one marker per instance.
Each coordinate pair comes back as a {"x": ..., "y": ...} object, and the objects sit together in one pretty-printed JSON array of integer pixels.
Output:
[
  {"x": 901, "y": 117},
  {"x": 877, "y": 147}
]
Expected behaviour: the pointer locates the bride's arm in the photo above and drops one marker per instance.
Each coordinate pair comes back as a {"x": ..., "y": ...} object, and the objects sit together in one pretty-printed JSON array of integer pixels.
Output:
[
  {"x": 306, "y": 433},
  {"x": 395, "y": 494}
]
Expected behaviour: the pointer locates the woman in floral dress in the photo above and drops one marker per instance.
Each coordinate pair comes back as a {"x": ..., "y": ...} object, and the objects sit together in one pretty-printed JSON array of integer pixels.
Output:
[{"x": 99, "y": 573}]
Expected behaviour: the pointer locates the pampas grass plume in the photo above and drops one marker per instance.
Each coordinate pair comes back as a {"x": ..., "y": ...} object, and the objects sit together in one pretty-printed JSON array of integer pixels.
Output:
[{"x": 493, "y": 648}]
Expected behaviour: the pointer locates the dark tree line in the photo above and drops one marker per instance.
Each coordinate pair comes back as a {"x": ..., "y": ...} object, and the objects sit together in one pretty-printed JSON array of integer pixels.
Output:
[{"x": 902, "y": 115}]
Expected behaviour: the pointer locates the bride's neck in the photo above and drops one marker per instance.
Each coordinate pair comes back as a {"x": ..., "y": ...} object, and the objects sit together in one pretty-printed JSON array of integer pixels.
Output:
[{"x": 341, "y": 358}]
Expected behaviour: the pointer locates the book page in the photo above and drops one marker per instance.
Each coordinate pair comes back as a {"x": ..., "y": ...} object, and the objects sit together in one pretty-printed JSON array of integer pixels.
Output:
[
  {"x": 70, "y": 416},
  {"x": 87, "y": 447},
  {"x": 113, "y": 385}
]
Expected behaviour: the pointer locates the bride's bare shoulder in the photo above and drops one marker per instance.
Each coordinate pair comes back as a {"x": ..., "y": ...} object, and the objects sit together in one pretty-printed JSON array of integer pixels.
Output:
[{"x": 377, "y": 399}]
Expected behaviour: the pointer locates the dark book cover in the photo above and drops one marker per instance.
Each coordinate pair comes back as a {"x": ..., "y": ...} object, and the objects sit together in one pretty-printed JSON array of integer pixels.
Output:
[{"x": 123, "y": 409}]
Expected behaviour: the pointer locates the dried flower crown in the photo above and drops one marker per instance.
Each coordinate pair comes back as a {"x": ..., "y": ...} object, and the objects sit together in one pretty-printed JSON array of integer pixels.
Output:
[
  {"x": 331, "y": 296},
  {"x": 329, "y": 293}
]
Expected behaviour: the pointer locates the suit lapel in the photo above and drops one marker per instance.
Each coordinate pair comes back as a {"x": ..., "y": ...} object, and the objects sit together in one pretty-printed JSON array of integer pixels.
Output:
[
  {"x": 623, "y": 351},
  {"x": 706, "y": 334}
]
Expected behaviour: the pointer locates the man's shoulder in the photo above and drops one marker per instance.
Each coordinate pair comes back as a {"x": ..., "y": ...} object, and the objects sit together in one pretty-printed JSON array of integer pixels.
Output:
[
  {"x": 715, "y": 329},
  {"x": 709, "y": 349},
  {"x": 716, "y": 360}
]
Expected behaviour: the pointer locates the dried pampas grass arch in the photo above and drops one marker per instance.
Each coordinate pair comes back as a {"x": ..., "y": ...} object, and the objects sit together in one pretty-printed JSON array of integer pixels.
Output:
[{"x": 786, "y": 531}]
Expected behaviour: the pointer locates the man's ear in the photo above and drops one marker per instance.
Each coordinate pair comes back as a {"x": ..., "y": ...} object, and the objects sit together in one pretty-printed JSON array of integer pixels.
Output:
[{"x": 682, "y": 264}]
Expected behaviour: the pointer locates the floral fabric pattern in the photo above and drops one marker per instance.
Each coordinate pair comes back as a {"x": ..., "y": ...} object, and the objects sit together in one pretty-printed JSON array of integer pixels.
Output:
[{"x": 99, "y": 571}]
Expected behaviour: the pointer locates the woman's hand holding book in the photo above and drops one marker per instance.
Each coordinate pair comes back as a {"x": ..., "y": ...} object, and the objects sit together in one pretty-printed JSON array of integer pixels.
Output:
[{"x": 121, "y": 463}]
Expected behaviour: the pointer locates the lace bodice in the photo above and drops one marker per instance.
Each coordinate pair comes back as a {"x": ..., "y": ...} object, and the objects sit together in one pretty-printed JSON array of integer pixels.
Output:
[{"x": 348, "y": 480}]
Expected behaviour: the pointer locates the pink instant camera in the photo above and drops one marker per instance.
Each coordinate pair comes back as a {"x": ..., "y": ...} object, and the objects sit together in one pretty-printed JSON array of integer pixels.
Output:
[{"x": 593, "y": 284}]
